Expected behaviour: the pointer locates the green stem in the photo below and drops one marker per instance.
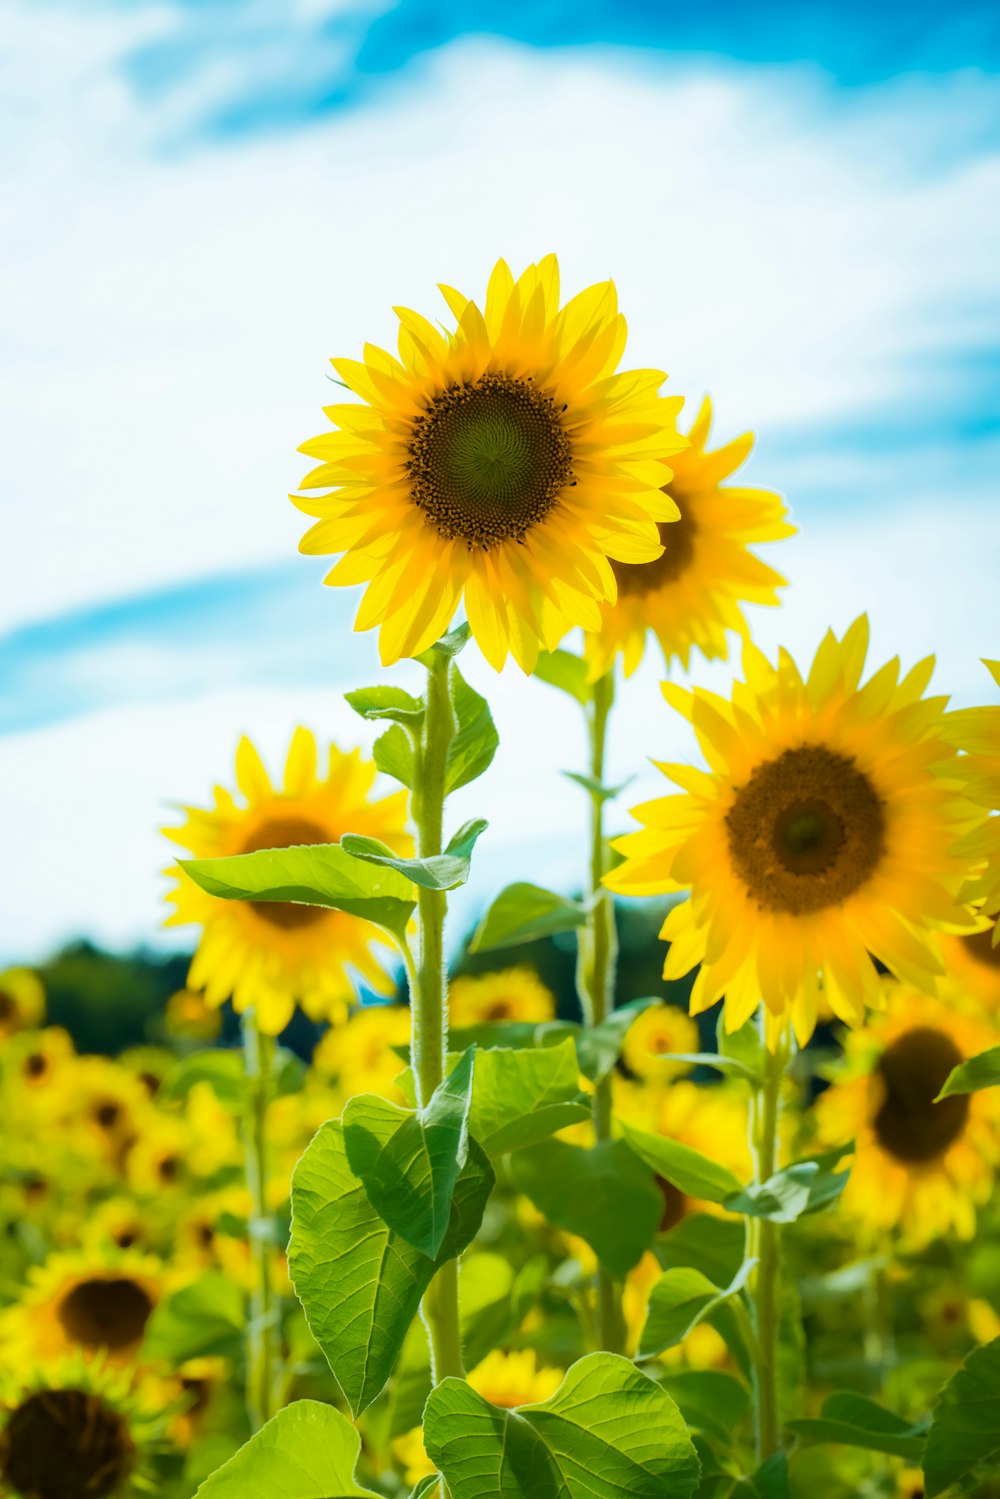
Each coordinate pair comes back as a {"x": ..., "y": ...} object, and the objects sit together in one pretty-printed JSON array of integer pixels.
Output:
[
  {"x": 765, "y": 1245},
  {"x": 263, "y": 1354},
  {"x": 429, "y": 1018},
  {"x": 597, "y": 956}
]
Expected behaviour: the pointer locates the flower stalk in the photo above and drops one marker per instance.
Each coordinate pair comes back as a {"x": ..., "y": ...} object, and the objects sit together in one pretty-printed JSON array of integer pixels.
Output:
[
  {"x": 764, "y": 1245},
  {"x": 262, "y": 1335}
]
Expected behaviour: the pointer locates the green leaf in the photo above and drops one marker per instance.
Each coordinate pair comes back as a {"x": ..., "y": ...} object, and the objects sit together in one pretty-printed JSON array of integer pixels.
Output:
[
  {"x": 686, "y": 1168},
  {"x": 410, "y": 1160},
  {"x": 605, "y": 1195},
  {"x": 857, "y": 1421},
  {"x": 807, "y": 1186},
  {"x": 597, "y": 788},
  {"x": 425, "y": 1487},
  {"x": 319, "y": 874},
  {"x": 713, "y": 1245},
  {"x": 982, "y": 1071},
  {"x": 307, "y": 1451},
  {"x": 521, "y": 1097},
  {"x": 608, "y": 1432},
  {"x": 567, "y": 672},
  {"x": 769, "y": 1482},
  {"x": 449, "y": 645},
  {"x": 599, "y": 1046},
  {"x": 223, "y": 1070},
  {"x": 386, "y": 702},
  {"x": 680, "y": 1300},
  {"x": 440, "y": 872},
  {"x": 710, "y": 1401},
  {"x": 707, "y": 1059},
  {"x": 523, "y": 913},
  {"x": 359, "y": 1283},
  {"x": 743, "y": 1047},
  {"x": 201, "y": 1320},
  {"x": 394, "y": 755},
  {"x": 475, "y": 740},
  {"x": 964, "y": 1436}
]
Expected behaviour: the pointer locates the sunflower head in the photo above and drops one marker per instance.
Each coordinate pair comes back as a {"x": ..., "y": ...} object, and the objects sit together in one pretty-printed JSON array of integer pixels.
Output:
[
  {"x": 271, "y": 955},
  {"x": 824, "y": 835},
  {"x": 22, "y": 1000},
  {"x": 655, "y": 1034},
  {"x": 511, "y": 994},
  {"x": 94, "y": 1304},
  {"x": 692, "y": 595},
  {"x": 514, "y": 1379},
  {"x": 506, "y": 460}
]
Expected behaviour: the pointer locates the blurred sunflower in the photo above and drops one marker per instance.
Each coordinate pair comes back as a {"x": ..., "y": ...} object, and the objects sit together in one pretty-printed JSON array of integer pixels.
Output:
[
  {"x": 110, "y": 1103},
  {"x": 270, "y": 955},
  {"x": 505, "y": 460},
  {"x": 511, "y": 994},
  {"x": 919, "y": 1166},
  {"x": 822, "y": 837},
  {"x": 977, "y": 731},
  {"x": 691, "y": 596},
  {"x": 118, "y": 1221},
  {"x": 22, "y": 1000},
  {"x": 514, "y": 1379},
  {"x": 44, "y": 1059},
  {"x": 188, "y": 1017},
  {"x": 972, "y": 965},
  {"x": 157, "y": 1159},
  {"x": 656, "y": 1033},
  {"x": 90, "y": 1303},
  {"x": 359, "y": 1056},
  {"x": 74, "y": 1431}
]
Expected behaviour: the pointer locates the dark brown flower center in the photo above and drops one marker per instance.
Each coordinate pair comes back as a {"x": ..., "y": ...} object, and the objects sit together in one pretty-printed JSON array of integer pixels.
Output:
[
  {"x": 65, "y": 1444},
  {"x": 979, "y": 945},
  {"x": 9, "y": 1009},
  {"x": 105, "y": 1313},
  {"x": 107, "y": 1114},
  {"x": 912, "y": 1071},
  {"x": 675, "y": 1204},
  {"x": 500, "y": 1009},
  {"x": 488, "y": 461},
  {"x": 637, "y": 579},
  {"x": 36, "y": 1065},
  {"x": 806, "y": 831},
  {"x": 286, "y": 832}
]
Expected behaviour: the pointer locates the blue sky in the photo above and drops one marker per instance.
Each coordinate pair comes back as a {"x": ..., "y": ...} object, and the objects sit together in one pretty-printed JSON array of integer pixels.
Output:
[{"x": 799, "y": 204}]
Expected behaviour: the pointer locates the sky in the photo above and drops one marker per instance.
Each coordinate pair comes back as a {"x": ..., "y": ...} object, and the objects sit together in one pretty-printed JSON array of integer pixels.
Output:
[{"x": 204, "y": 202}]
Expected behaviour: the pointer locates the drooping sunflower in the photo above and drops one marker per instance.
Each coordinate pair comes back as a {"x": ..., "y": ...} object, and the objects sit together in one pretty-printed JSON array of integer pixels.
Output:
[
  {"x": 505, "y": 460},
  {"x": 90, "y": 1304},
  {"x": 824, "y": 835},
  {"x": 919, "y": 1166},
  {"x": 22, "y": 1000},
  {"x": 511, "y": 994},
  {"x": 692, "y": 595},
  {"x": 271, "y": 955}
]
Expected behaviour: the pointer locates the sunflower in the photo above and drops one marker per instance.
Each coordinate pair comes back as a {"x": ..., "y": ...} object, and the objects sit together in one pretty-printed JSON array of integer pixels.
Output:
[
  {"x": 359, "y": 1056},
  {"x": 269, "y": 955},
  {"x": 44, "y": 1059},
  {"x": 91, "y": 1303},
  {"x": 691, "y": 596},
  {"x": 513, "y": 1379},
  {"x": 110, "y": 1104},
  {"x": 823, "y": 836},
  {"x": 22, "y": 1000},
  {"x": 75, "y": 1431},
  {"x": 656, "y": 1033},
  {"x": 189, "y": 1017},
  {"x": 511, "y": 994},
  {"x": 506, "y": 460},
  {"x": 919, "y": 1166},
  {"x": 157, "y": 1160},
  {"x": 977, "y": 731},
  {"x": 972, "y": 964}
]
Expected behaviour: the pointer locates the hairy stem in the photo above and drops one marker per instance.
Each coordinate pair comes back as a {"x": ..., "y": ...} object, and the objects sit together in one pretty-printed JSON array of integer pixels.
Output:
[
  {"x": 765, "y": 1244},
  {"x": 597, "y": 955},
  {"x": 263, "y": 1352}
]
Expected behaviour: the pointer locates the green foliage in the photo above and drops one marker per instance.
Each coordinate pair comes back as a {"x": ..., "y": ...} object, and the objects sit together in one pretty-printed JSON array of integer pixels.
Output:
[
  {"x": 360, "y": 1284},
  {"x": 605, "y": 1195},
  {"x": 307, "y": 1451},
  {"x": 321, "y": 874},
  {"x": 743, "y": 1048},
  {"x": 964, "y": 1437},
  {"x": 523, "y": 913},
  {"x": 201, "y": 1320},
  {"x": 599, "y": 1046},
  {"x": 973, "y": 1075},
  {"x": 710, "y": 1401},
  {"x": 567, "y": 672},
  {"x": 522, "y": 1097},
  {"x": 395, "y": 756},
  {"x": 607, "y": 1433},
  {"x": 807, "y": 1186},
  {"x": 385, "y": 701},
  {"x": 449, "y": 645},
  {"x": 440, "y": 872},
  {"x": 410, "y": 1159},
  {"x": 475, "y": 739},
  {"x": 596, "y": 788},
  {"x": 857, "y": 1421},
  {"x": 712, "y": 1245},
  {"x": 225, "y": 1072},
  {"x": 686, "y": 1168},
  {"x": 107, "y": 1001},
  {"x": 681, "y": 1299}
]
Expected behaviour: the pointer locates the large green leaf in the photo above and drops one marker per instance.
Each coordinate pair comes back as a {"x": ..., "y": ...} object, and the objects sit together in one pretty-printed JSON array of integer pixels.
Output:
[
  {"x": 475, "y": 739},
  {"x": 523, "y": 913},
  {"x": 710, "y": 1401},
  {"x": 606, "y": 1195},
  {"x": 857, "y": 1421},
  {"x": 744, "y": 1047},
  {"x": 680, "y": 1300},
  {"x": 567, "y": 672},
  {"x": 607, "y": 1433},
  {"x": 386, "y": 701},
  {"x": 713, "y": 1245},
  {"x": 318, "y": 874},
  {"x": 410, "y": 1159},
  {"x": 359, "y": 1283},
  {"x": 522, "y": 1096},
  {"x": 201, "y": 1320},
  {"x": 307, "y": 1451},
  {"x": 964, "y": 1436},
  {"x": 982, "y": 1071},
  {"x": 684, "y": 1167},
  {"x": 394, "y": 755},
  {"x": 438, "y": 872},
  {"x": 806, "y": 1186}
]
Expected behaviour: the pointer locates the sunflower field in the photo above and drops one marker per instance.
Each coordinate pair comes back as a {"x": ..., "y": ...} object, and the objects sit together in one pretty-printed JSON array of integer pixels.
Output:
[{"x": 736, "y": 1238}]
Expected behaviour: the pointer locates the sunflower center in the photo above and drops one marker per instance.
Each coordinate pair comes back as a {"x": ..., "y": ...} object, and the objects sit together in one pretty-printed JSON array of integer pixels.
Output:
[
  {"x": 488, "y": 461},
  {"x": 675, "y": 1204},
  {"x": 637, "y": 579},
  {"x": 806, "y": 831},
  {"x": 500, "y": 1009},
  {"x": 105, "y": 1313},
  {"x": 36, "y": 1065},
  {"x": 107, "y": 1114},
  {"x": 912, "y": 1070},
  {"x": 979, "y": 945},
  {"x": 8, "y": 1008},
  {"x": 65, "y": 1444},
  {"x": 286, "y": 832}
]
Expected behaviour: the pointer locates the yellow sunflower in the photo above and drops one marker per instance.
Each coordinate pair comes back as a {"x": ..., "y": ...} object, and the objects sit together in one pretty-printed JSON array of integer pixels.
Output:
[
  {"x": 270, "y": 955},
  {"x": 506, "y": 460},
  {"x": 977, "y": 731},
  {"x": 972, "y": 963},
  {"x": 91, "y": 1303},
  {"x": 658, "y": 1031},
  {"x": 22, "y": 1000},
  {"x": 822, "y": 836},
  {"x": 919, "y": 1166},
  {"x": 513, "y": 1379},
  {"x": 692, "y": 595},
  {"x": 45, "y": 1060},
  {"x": 188, "y": 1016},
  {"x": 511, "y": 994},
  {"x": 156, "y": 1162},
  {"x": 359, "y": 1056}
]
